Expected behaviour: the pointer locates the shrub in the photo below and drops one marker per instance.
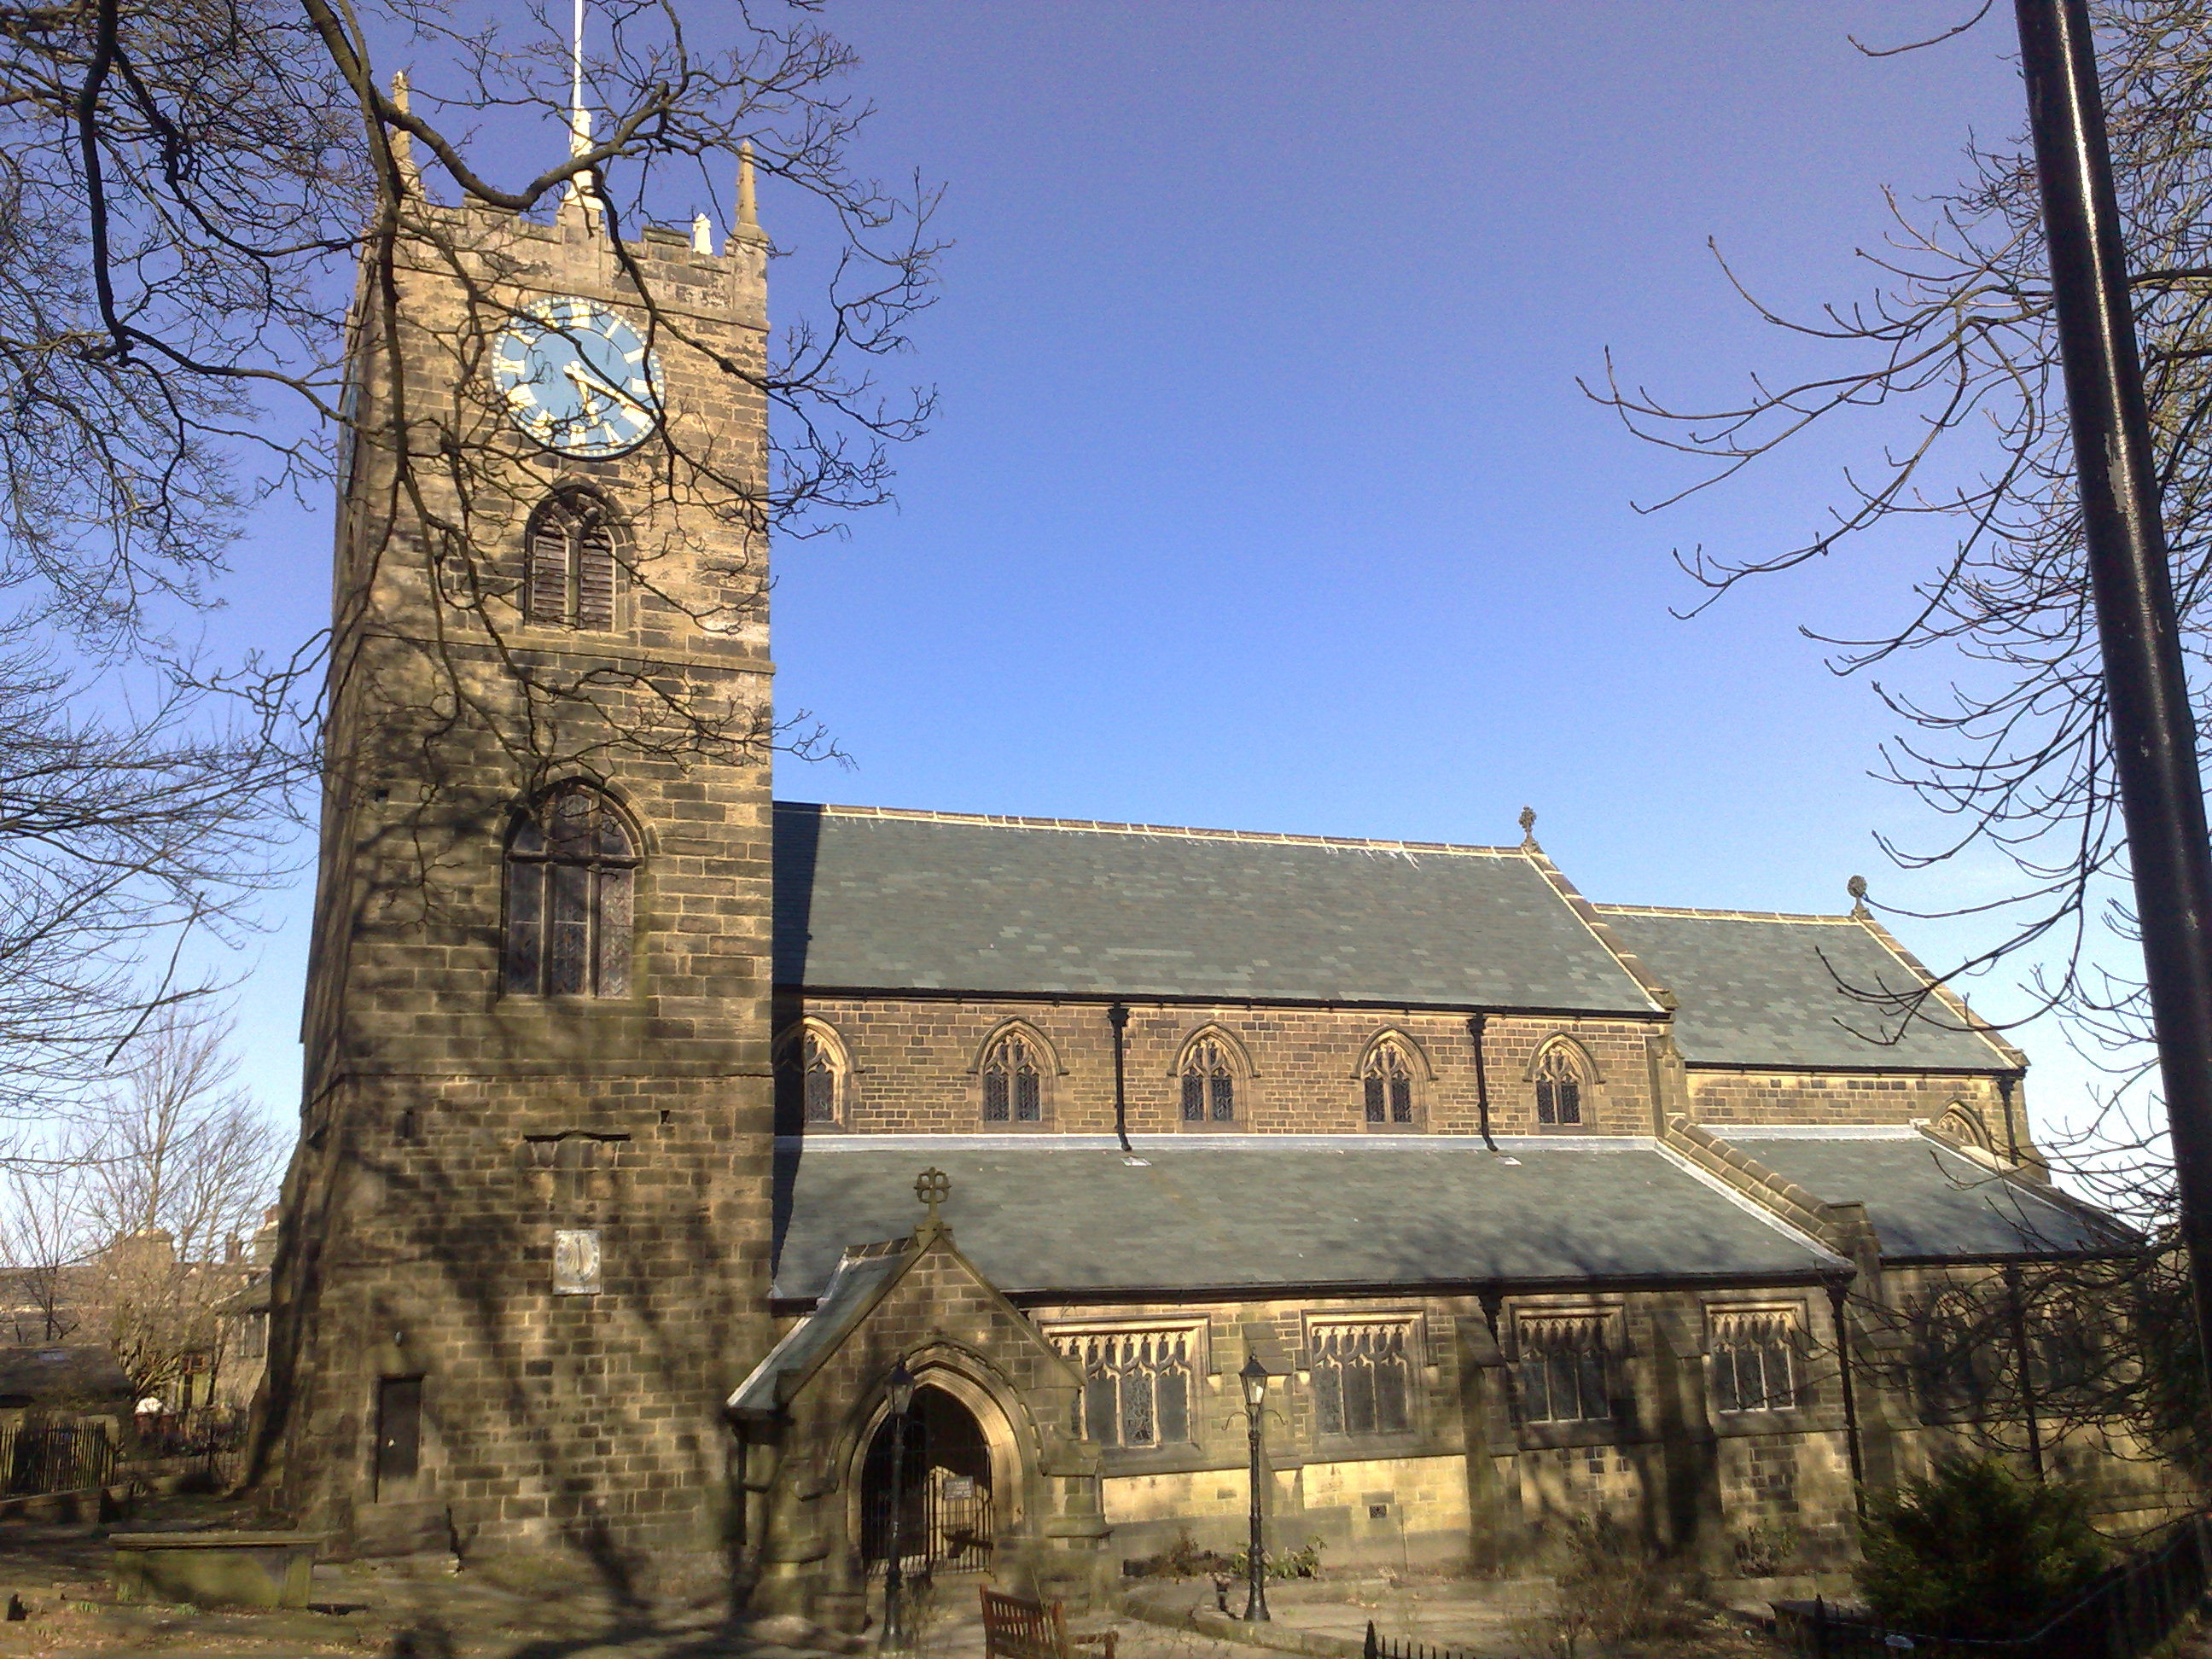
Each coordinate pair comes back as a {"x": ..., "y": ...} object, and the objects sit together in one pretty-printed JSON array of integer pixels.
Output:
[
  {"x": 1976, "y": 1551},
  {"x": 1612, "y": 1591}
]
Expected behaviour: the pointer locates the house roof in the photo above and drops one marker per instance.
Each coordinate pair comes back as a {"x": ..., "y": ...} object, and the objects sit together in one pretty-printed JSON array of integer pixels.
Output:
[
  {"x": 1068, "y": 1214},
  {"x": 860, "y": 1278},
  {"x": 1799, "y": 991},
  {"x": 56, "y": 1373},
  {"x": 870, "y": 898},
  {"x": 1925, "y": 1200}
]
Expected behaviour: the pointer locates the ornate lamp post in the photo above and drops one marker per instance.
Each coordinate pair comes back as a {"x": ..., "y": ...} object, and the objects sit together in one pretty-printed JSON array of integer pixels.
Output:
[
  {"x": 902, "y": 1394},
  {"x": 1254, "y": 1376}
]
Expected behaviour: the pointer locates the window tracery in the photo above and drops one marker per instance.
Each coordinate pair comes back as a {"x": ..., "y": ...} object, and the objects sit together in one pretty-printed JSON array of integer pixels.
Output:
[
  {"x": 1362, "y": 1377},
  {"x": 812, "y": 1075},
  {"x": 569, "y": 579},
  {"x": 1387, "y": 1083},
  {"x": 1136, "y": 1385},
  {"x": 1565, "y": 1370},
  {"x": 1209, "y": 1082},
  {"x": 1558, "y": 1085},
  {"x": 1755, "y": 1360},
  {"x": 1013, "y": 1081},
  {"x": 571, "y": 872}
]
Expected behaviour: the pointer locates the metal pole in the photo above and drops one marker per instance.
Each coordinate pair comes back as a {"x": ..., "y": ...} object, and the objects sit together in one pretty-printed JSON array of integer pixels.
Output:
[
  {"x": 1256, "y": 1570},
  {"x": 893, "y": 1636},
  {"x": 2153, "y": 734},
  {"x": 1838, "y": 1289}
]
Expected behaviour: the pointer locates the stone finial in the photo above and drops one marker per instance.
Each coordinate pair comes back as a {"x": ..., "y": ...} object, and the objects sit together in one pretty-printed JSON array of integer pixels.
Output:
[
  {"x": 1856, "y": 888},
  {"x": 933, "y": 1185},
  {"x": 403, "y": 142},
  {"x": 702, "y": 234},
  {"x": 748, "y": 223},
  {"x": 1528, "y": 826}
]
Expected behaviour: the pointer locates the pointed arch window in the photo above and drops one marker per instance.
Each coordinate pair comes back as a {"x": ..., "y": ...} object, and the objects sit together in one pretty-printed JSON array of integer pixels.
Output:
[
  {"x": 1387, "y": 1083},
  {"x": 1209, "y": 1083},
  {"x": 571, "y": 871},
  {"x": 1559, "y": 1086},
  {"x": 812, "y": 1072},
  {"x": 570, "y": 579},
  {"x": 1013, "y": 1082}
]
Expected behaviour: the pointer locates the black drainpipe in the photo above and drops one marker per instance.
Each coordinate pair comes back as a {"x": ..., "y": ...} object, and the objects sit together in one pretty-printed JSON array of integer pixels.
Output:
[
  {"x": 1118, "y": 1017},
  {"x": 1838, "y": 1289},
  {"x": 1475, "y": 1022},
  {"x": 2005, "y": 1080}
]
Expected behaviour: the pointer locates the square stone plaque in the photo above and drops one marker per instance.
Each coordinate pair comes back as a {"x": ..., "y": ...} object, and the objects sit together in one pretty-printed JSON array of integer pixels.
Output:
[{"x": 575, "y": 1261}]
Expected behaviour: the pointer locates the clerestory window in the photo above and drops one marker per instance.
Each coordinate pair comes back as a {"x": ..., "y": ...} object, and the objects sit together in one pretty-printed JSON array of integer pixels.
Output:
[
  {"x": 571, "y": 871},
  {"x": 1387, "y": 1083},
  {"x": 570, "y": 581},
  {"x": 1013, "y": 1084},
  {"x": 1559, "y": 1086},
  {"x": 1209, "y": 1084}
]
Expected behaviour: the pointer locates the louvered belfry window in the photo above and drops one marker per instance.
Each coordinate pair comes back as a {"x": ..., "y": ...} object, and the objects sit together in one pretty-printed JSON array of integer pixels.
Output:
[
  {"x": 571, "y": 869},
  {"x": 571, "y": 578}
]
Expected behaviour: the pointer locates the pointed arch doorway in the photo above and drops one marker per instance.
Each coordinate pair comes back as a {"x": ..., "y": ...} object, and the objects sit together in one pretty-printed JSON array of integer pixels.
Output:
[{"x": 945, "y": 1513}]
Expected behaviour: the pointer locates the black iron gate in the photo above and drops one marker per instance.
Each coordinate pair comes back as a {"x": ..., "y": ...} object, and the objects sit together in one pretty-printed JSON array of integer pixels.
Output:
[{"x": 946, "y": 1521}]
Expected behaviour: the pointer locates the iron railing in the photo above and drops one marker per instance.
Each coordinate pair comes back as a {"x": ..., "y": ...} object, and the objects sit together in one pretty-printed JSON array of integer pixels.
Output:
[
  {"x": 946, "y": 1525},
  {"x": 1385, "y": 1647},
  {"x": 43, "y": 1457},
  {"x": 2128, "y": 1611}
]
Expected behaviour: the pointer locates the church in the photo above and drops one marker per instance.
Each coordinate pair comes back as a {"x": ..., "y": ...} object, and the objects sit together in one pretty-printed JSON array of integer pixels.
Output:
[{"x": 690, "y": 1175}]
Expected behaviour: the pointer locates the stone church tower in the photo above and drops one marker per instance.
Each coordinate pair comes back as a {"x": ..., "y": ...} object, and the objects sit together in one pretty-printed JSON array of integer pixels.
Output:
[{"x": 525, "y": 1236}]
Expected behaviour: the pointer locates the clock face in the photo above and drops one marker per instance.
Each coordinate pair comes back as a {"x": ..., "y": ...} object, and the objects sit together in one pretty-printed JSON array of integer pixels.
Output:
[{"x": 578, "y": 379}]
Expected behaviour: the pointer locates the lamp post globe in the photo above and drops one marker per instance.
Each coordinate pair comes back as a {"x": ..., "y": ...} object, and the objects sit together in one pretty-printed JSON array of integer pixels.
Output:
[{"x": 1254, "y": 1377}]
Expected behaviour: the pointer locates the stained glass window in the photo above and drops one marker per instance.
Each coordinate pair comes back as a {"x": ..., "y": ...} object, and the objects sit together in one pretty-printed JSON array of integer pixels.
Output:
[
  {"x": 1559, "y": 1086},
  {"x": 1565, "y": 1371},
  {"x": 1013, "y": 1088},
  {"x": 1136, "y": 1386},
  {"x": 1362, "y": 1378},
  {"x": 1388, "y": 1083},
  {"x": 1754, "y": 1357},
  {"x": 1209, "y": 1084},
  {"x": 571, "y": 868},
  {"x": 809, "y": 1077}
]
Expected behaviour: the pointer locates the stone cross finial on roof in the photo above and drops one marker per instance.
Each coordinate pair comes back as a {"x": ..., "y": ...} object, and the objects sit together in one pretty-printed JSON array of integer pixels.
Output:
[
  {"x": 932, "y": 1187},
  {"x": 1856, "y": 887},
  {"x": 1528, "y": 826}
]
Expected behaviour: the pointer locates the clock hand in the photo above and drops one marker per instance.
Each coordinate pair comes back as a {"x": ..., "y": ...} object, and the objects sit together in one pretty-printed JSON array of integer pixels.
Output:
[{"x": 595, "y": 388}]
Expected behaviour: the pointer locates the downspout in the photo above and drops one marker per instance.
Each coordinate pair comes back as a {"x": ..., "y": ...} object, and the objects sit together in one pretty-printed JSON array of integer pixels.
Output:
[
  {"x": 1117, "y": 1016},
  {"x": 1475, "y": 1022},
  {"x": 2023, "y": 1361},
  {"x": 1838, "y": 1290},
  {"x": 2006, "y": 1082}
]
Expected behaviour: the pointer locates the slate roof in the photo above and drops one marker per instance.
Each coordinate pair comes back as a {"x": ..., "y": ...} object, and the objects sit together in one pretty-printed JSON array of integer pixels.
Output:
[
  {"x": 867, "y": 898},
  {"x": 1067, "y": 1214},
  {"x": 1925, "y": 1200},
  {"x": 852, "y": 1288},
  {"x": 1778, "y": 991}
]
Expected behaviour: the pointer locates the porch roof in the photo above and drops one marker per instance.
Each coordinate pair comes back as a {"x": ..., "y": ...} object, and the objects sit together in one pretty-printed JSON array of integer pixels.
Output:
[{"x": 1068, "y": 1214}]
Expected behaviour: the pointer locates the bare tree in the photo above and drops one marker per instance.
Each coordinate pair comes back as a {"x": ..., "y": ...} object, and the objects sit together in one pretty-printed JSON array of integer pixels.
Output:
[
  {"x": 204, "y": 207},
  {"x": 174, "y": 1163},
  {"x": 1944, "y": 380},
  {"x": 42, "y": 1243}
]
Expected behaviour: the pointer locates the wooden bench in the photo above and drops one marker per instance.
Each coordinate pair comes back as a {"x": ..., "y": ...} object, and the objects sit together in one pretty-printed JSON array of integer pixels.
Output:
[{"x": 1017, "y": 1629}]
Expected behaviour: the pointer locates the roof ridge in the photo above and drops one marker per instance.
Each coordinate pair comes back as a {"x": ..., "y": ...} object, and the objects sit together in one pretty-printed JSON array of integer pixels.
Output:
[
  {"x": 1715, "y": 915},
  {"x": 1257, "y": 837}
]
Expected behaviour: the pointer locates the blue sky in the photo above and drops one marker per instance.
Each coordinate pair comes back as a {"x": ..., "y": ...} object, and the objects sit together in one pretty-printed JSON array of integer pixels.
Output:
[{"x": 1263, "y": 494}]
